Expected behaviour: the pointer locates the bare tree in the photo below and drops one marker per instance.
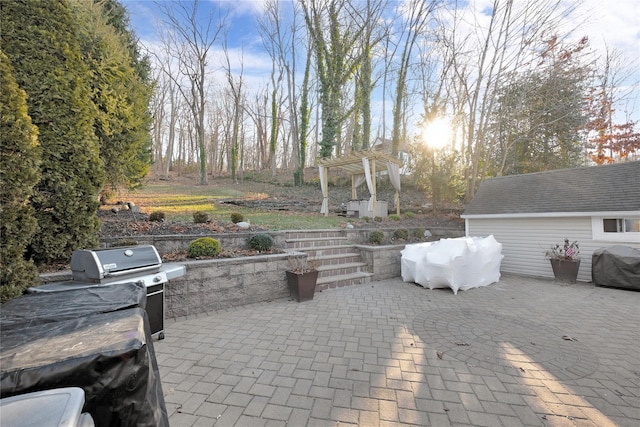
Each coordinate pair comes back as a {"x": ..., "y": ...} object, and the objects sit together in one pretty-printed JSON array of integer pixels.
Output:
[
  {"x": 481, "y": 55},
  {"x": 193, "y": 41},
  {"x": 419, "y": 13},
  {"x": 236, "y": 93}
]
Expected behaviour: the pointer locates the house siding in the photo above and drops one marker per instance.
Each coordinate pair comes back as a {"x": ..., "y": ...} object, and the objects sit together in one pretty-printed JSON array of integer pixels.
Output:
[{"x": 524, "y": 241}]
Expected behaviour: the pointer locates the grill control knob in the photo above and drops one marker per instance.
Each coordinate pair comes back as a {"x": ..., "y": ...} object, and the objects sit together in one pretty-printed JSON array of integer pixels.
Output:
[
  {"x": 128, "y": 252},
  {"x": 157, "y": 279}
]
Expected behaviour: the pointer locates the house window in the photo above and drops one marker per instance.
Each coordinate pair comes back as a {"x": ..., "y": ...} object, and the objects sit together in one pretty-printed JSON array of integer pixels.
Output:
[
  {"x": 625, "y": 229},
  {"x": 621, "y": 225}
]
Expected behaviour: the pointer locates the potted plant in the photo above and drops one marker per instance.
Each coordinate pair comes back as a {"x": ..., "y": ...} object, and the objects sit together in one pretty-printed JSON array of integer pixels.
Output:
[
  {"x": 301, "y": 278},
  {"x": 565, "y": 261}
]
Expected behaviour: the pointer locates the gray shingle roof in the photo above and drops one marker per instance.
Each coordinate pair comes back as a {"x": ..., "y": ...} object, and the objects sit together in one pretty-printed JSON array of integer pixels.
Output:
[{"x": 606, "y": 188}]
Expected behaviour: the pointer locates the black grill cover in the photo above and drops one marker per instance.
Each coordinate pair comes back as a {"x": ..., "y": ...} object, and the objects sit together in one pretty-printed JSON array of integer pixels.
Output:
[
  {"x": 616, "y": 266},
  {"x": 89, "y": 338},
  {"x": 108, "y": 355},
  {"x": 40, "y": 308}
]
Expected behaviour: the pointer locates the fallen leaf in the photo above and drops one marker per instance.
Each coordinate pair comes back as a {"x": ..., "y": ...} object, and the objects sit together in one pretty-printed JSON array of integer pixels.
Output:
[
  {"x": 568, "y": 338},
  {"x": 462, "y": 343},
  {"x": 439, "y": 354}
]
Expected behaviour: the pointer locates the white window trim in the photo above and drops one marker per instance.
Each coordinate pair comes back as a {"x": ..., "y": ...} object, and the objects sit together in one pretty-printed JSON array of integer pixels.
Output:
[{"x": 597, "y": 231}]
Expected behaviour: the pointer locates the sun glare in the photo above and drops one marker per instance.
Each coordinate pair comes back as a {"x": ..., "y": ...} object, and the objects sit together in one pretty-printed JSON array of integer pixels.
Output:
[{"x": 437, "y": 134}]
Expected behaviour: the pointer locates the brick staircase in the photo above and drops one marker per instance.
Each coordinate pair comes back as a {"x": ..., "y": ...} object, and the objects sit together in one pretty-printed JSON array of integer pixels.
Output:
[{"x": 339, "y": 263}]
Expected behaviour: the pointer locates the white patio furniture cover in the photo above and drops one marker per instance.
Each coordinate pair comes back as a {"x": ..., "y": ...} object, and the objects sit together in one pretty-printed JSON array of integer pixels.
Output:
[{"x": 460, "y": 264}]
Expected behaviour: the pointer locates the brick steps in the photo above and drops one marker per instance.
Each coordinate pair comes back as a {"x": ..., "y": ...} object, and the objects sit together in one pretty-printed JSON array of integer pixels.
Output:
[{"x": 338, "y": 262}]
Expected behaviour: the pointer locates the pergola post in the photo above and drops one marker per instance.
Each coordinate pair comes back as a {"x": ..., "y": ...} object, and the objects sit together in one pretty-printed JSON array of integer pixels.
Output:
[
  {"x": 325, "y": 178},
  {"x": 373, "y": 181},
  {"x": 354, "y": 195}
]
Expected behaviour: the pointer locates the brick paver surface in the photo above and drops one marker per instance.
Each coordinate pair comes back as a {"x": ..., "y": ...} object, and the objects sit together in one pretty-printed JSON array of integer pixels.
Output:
[{"x": 524, "y": 351}]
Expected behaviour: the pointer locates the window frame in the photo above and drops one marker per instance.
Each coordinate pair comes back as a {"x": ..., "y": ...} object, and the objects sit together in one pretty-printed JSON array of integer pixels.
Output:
[{"x": 598, "y": 233}]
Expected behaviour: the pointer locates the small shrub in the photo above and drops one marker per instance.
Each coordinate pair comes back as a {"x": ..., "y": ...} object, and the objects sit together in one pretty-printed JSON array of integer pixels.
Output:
[
  {"x": 236, "y": 217},
  {"x": 376, "y": 237},
  {"x": 401, "y": 234},
  {"x": 377, "y": 219},
  {"x": 204, "y": 246},
  {"x": 200, "y": 217},
  {"x": 366, "y": 219},
  {"x": 156, "y": 216},
  {"x": 417, "y": 233},
  {"x": 410, "y": 214},
  {"x": 261, "y": 242},
  {"x": 394, "y": 217}
]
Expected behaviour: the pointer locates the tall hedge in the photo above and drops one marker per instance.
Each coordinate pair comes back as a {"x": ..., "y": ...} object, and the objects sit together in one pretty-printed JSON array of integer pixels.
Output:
[
  {"x": 19, "y": 173},
  {"x": 39, "y": 38},
  {"x": 120, "y": 95}
]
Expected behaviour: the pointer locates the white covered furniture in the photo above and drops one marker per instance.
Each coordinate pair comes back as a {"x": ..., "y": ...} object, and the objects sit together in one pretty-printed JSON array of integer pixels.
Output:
[{"x": 460, "y": 264}]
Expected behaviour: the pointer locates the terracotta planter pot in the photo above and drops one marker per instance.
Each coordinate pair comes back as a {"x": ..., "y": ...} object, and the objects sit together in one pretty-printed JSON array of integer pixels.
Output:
[
  {"x": 565, "y": 270},
  {"x": 302, "y": 286}
]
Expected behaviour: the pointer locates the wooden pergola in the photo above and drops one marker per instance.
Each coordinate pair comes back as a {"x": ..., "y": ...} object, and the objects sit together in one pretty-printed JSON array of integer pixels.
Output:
[{"x": 354, "y": 165}]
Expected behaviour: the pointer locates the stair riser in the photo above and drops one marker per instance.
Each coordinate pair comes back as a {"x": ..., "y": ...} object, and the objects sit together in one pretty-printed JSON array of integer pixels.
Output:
[
  {"x": 342, "y": 283},
  {"x": 314, "y": 234},
  {"x": 340, "y": 271},
  {"x": 336, "y": 261},
  {"x": 307, "y": 244},
  {"x": 320, "y": 252}
]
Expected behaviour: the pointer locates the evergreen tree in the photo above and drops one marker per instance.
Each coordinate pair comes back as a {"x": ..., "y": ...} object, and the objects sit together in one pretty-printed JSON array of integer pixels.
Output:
[
  {"x": 19, "y": 155},
  {"x": 118, "y": 92},
  {"x": 39, "y": 37}
]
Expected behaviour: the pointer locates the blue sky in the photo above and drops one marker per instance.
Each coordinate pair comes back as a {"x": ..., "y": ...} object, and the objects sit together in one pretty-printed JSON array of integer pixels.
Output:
[{"x": 611, "y": 23}]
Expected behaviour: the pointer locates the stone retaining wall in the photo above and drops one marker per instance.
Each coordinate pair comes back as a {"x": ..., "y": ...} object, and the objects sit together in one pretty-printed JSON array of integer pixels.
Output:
[
  {"x": 217, "y": 284},
  {"x": 382, "y": 261},
  {"x": 224, "y": 283}
]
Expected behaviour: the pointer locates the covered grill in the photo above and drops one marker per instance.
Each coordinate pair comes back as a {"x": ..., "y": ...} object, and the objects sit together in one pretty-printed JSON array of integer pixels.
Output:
[{"x": 106, "y": 267}]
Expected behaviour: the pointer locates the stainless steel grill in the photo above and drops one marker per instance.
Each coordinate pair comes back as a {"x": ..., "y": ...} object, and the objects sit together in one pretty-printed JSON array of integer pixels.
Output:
[{"x": 112, "y": 266}]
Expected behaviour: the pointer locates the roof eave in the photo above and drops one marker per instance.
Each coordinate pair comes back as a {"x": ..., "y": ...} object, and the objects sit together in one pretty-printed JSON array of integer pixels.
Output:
[{"x": 549, "y": 214}]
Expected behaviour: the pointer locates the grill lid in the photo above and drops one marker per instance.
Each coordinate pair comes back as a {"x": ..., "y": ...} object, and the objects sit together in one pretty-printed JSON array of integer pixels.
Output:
[{"x": 87, "y": 264}]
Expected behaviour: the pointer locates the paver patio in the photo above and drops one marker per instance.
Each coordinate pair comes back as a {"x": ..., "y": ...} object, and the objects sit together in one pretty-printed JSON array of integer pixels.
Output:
[{"x": 524, "y": 351}]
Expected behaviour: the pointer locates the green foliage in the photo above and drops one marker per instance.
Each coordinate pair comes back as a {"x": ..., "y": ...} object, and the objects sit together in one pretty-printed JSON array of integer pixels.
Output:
[
  {"x": 40, "y": 40},
  {"x": 418, "y": 233},
  {"x": 203, "y": 247},
  {"x": 410, "y": 214},
  {"x": 236, "y": 217},
  {"x": 394, "y": 217},
  {"x": 20, "y": 154},
  {"x": 376, "y": 237},
  {"x": 401, "y": 234},
  {"x": 200, "y": 217},
  {"x": 119, "y": 94},
  {"x": 157, "y": 216},
  {"x": 261, "y": 242},
  {"x": 438, "y": 174},
  {"x": 541, "y": 114}
]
